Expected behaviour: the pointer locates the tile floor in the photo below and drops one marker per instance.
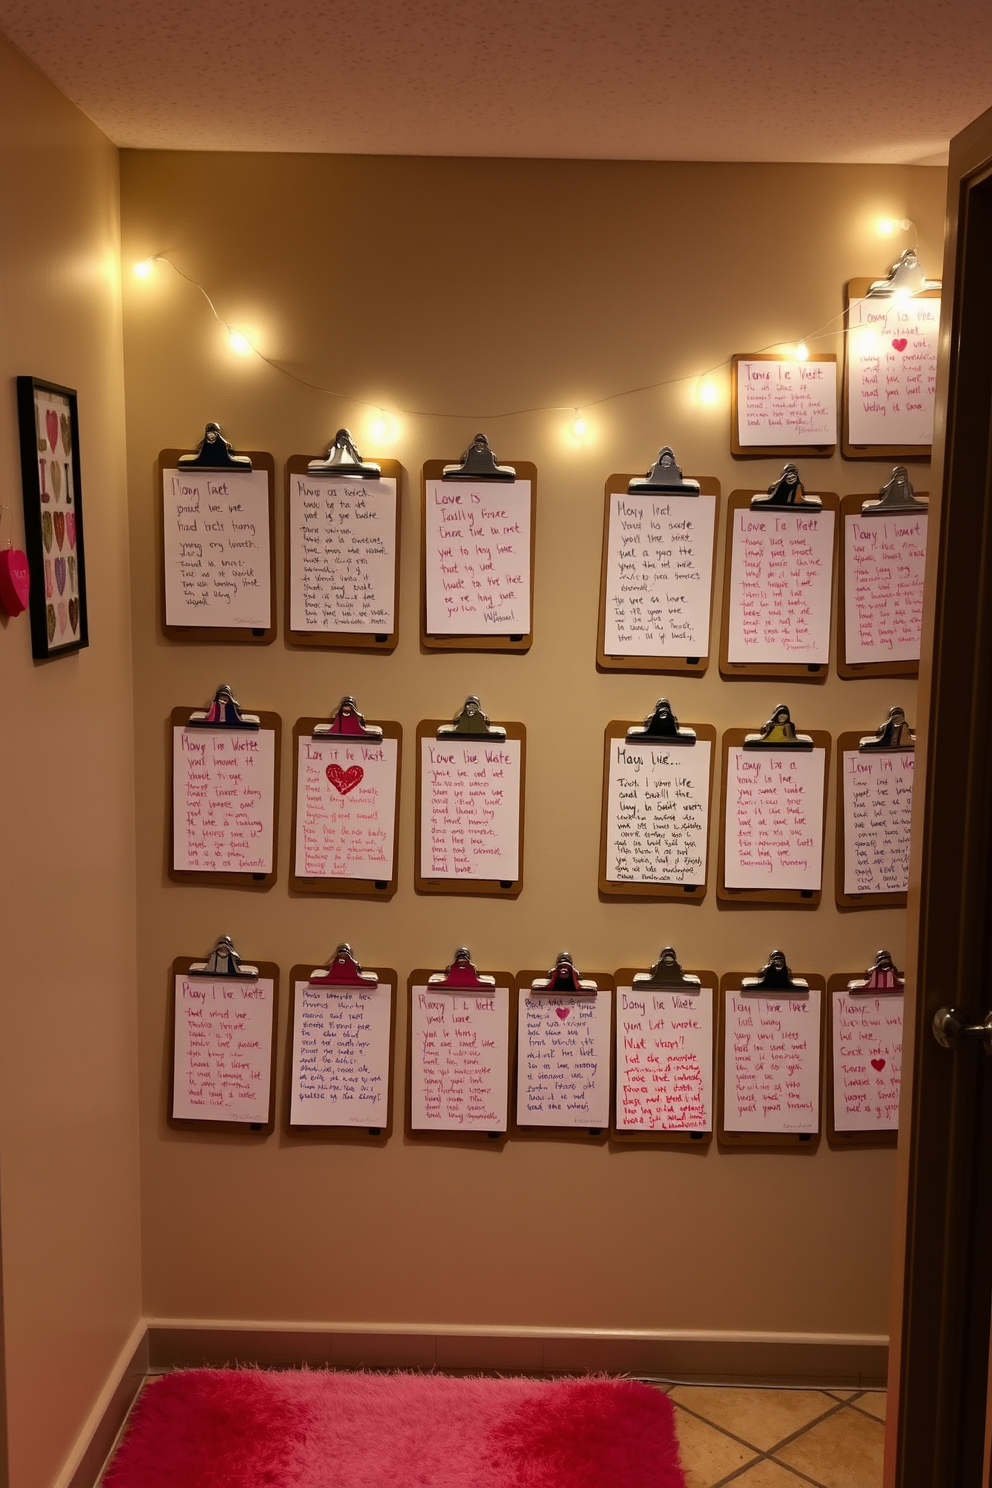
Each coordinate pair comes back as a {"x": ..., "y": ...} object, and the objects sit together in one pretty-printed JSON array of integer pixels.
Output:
[{"x": 779, "y": 1438}]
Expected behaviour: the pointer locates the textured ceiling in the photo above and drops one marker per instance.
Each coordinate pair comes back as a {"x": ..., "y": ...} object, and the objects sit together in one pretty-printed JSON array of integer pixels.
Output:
[{"x": 808, "y": 80}]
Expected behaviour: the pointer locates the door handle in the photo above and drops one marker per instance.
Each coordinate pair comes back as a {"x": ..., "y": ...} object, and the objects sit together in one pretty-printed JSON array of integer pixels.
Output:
[{"x": 952, "y": 1030}]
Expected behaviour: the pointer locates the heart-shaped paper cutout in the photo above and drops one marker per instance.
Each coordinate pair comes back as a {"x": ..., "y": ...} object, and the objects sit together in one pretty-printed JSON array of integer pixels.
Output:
[
  {"x": 49, "y": 584},
  {"x": 878, "y": 1064},
  {"x": 344, "y": 781},
  {"x": 46, "y": 530},
  {"x": 50, "y": 621},
  {"x": 63, "y": 618},
  {"x": 46, "y": 495},
  {"x": 52, "y": 426},
  {"x": 15, "y": 580},
  {"x": 72, "y": 576},
  {"x": 60, "y": 574},
  {"x": 900, "y": 343},
  {"x": 56, "y": 474},
  {"x": 68, "y": 486},
  {"x": 74, "y": 614},
  {"x": 39, "y": 437},
  {"x": 59, "y": 520},
  {"x": 70, "y": 527},
  {"x": 66, "y": 427},
  {"x": 563, "y": 1013}
]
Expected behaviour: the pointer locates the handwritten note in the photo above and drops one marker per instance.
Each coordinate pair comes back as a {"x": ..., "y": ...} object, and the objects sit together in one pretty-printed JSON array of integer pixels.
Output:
[
  {"x": 867, "y": 1059},
  {"x": 878, "y": 808},
  {"x": 781, "y": 574},
  {"x": 664, "y": 1060},
  {"x": 345, "y": 808},
  {"x": 223, "y": 1049},
  {"x": 892, "y": 370},
  {"x": 470, "y": 809},
  {"x": 657, "y": 813},
  {"x": 659, "y": 575},
  {"x": 563, "y": 1060},
  {"x": 785, "y": 402},
  {"x": 340, "y": 1073},
  {"x": 217, "y": 566},
  {"x": 884, "y": 564},
  {"x": 342, "y": 554},
  {"x": 774, "y": 823},
  {"x": 771, "y": 1063},
  {"x": 223, "y": 800},
  {"x": 478, "y": 556},
  {"x": 460, "y": 1060}
]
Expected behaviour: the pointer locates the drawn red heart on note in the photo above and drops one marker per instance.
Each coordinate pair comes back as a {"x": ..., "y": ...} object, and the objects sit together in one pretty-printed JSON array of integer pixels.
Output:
[
  {"x": 900, "y": 343},
  {"x": 563, "y": 1012},
  {"x": 344, "y": 781},
  {"x": 878, "y": 1064},
  {"x": 52, "y": 425}
]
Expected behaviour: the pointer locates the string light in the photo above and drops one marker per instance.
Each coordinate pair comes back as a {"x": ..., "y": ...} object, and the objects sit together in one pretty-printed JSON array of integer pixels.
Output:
[
  {"x": 886, "y": 226},
  {"x": 144, "y": 268},
  {"x": 239, "y": 342},
  {"x": 802, "y": 352},
  {"x": 579, "y": 425},
  {"x": 707, "y": 392}
]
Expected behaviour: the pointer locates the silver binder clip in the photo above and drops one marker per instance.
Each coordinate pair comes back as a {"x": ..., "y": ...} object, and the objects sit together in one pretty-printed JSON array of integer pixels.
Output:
[
  {"x": 478, "y": 463},
  {"x": 343, "y": 971},
  {"x": 666, "y": 477},
  {"x": 896, "y": 498},
  {"x": 787, "y": 491},
  {"x": 660, "y": 727},
  {"x": 224, "y": 961},
  {"x": 894, "y": 734},
  {"x": 778, "y": 733},
  {"x": 215, "y": 453},
  {"x": 666, "y": 975},
  {"x": 343, "y": 458},
  {"x": 775, "y": 977},
  {"x": 905, "y": 277},
  {"x": 471, "y": 723}
]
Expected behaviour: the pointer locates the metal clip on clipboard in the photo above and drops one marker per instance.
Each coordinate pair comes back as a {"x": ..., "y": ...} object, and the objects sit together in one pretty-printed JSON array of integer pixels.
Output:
[
  {"x": 665, "y": 975},
  {"x": 344, "y": 972},
  {"x": 224, "y": 961},
  {"x": 775, "y": 978},
  {"x": 471, "y": 723},
  {"x": 778, "y": 733},
  {"x": 224, "y": 712},
  {"x": 660, "y": 727},
  {"x": 891, "y": 736},
  {"x": 461, "y": 976},
  {"x": 478, "y": 463},
  {"x": 905, "y": 277},
  {"x": 881, "y": 976},
  {"x": 348, "y": 723},
  {"x": 788, "y": 491},
  {"x": 563, "y": 977},
  {"x": 665, "y": 477},
  {"x": 215, "y": 453},
  {"x": 343, "y": 458},
  {"x": 896, "y": 498}
]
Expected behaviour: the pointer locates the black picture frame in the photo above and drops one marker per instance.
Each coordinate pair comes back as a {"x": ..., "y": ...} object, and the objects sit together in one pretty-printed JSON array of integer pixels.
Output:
[{"x": 48, "y": 421}]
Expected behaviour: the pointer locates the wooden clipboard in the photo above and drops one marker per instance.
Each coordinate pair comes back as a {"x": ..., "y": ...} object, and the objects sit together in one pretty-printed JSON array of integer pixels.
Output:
[
  {"x": 267, "y": 969},
  {"x": 179, "y": 718},
  {"x": 613, "y": 889},
  {"x": 587, "y": 1136},
  {"x": 497, "y": 888},
  {"x": 693, "y": 666},
  {"x": 798, "y": 898},
  {"x": 803, "y": 1141},
  {"x": 847, "y": 742},
  {"x": 433, "y": 470},
  {"x": 365, "y": 1135},
  {"x": 643, "y": 1138},
  {"x": 799, "y": 671},
  {"x": 213, "y": 634},
  {"x": 839, "y": 983},
  {"x": 421, "y": 978},
  {"x": 764, "y": 451},
  {"x": 366, "y": 887},
  {"x": 857, "y": 289},
  {"x": 343, "y": 640},
  {"x": 850, "y": 506}
]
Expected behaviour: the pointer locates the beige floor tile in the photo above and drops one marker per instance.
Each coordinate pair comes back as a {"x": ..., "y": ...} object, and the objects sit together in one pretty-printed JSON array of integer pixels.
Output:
[
  {"x": 873, "y": 1401},
  {"x": 768, "y": 1474},
  {"x": 707, "y": 1455},
  {"x": 845, "y": 1451},
  {"x": 761, "y": 1417}
]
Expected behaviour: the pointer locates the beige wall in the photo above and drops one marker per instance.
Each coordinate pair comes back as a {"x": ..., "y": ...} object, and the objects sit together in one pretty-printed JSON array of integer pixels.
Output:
[
  {"x": 475, "y": 286},
  {"x": 68, "y": 1089}
]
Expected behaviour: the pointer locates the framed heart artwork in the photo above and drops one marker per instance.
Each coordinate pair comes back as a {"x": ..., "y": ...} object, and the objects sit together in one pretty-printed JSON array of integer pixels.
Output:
[{"x": 53, "y": 516}]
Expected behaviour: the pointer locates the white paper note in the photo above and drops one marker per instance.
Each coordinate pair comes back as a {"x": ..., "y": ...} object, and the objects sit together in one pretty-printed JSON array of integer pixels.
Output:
[
  {"x": 460, "y": 1062},
  {"x": 878, "y": 807},
  {"x": 867, "y": 1057},
  {"x": 340, "y": 1074},
  {"x": 342, "y": 554},
  {"x": 780, "y": 586},
  {"x": 478, "y": 558},
  {"x": 892, "y": 370},
  {"x": 223, "y": 1058},
  {"x": 659, "y": 575},
  {"x": 346, "y": 808},
  {"x": 657, "y": 813},
  {"x": 216, "y": 529},
  {"x": 774, "y": 826},
  {"x": 470, "y": 809},
  {"x": 884, "y": 564},
  {"x": 223, "y": 799},
  {"x": 664, "y": 1060},
  {"x": 786, "y": 402},
  {"x": 772, "y": 1063},
  {"x": 563, "y": 1059}
]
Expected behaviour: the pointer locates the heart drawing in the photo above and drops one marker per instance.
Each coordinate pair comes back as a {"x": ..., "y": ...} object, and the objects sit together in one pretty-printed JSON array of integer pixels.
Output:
[
  {"x": 344, "y": 781},
  {"x": 60, "y": 574},
  {"x": 59, "y": 520},
  {"x": 900, "y": 343},
  {"x": 63, "y": 617},
  {"x": 72, "y": 576},
  {"x": 50, "y": 621},
  {"x": 48, "y": 578},
  {"x": 70, "y": 527},
  {"x": 66, "y": 428},
  {"x": 52, "y": 426},
  {"x": 878, "y": 1064},
  {"x": 74, "y": 614},
  {"x": 563, "y": 1013},
  {"x": 56, "y": 474},
  {"x": 46, "y": 530}
]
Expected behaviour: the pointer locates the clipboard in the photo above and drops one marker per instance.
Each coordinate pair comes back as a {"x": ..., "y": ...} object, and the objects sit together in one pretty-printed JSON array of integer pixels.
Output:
[
  {"x": 665, "y": 482},
  {"x": 478, "y": 465},
  {"x": 462, "y": 979},
  {"x": 895, "y": 739},
  {"x": 666, "y": 976},
  {"x": 787, "y": 496},
  {"x": 873, "y": 984},
  {"x": 229, "y": 715},
  {"x": 223, "y": 965},
  {"x": 764, "y": 451},
  {"x": 563, "y": 981},
  {"x": 470, "y": 724},
  {"x": 215, "y": 455},
  {"x": 660, "y": 728},
  {"x": 347, "y": 723},
  {"x": 774, "y": 979},
  {"x": 897, "y": 499},
  {"x": 905, "y": 276},
  {"x": 342, "y": 974},
  {"x": 344, "y": 463},
  {"x": 779, "y": 733}
]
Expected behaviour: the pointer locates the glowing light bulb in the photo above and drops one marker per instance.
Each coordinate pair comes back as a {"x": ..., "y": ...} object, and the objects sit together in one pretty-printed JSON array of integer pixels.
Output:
[
  {"x": 707, "y": 392},
  {"x": 144, "y": 268},
  {"x": 886, "y": 226},
  {"x": 579, "y": 425},
  {"x": 802, "y": 352},
  {"x": 238, "y": 342}
]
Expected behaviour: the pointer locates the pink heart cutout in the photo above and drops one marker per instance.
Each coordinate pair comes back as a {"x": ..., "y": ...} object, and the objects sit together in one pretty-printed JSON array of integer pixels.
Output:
[
  {"x": 900, "y": 343},
  {"x": 15, "y": 580},
  {"x": 345, "y": 780},
  {"x": 70, "y": 527},
  {"x": 878, "y": 1064},
  {"x": 563, "y": 1013},
  {"x": 52, "y": 426},
  {"x": 63, "y": 617}
]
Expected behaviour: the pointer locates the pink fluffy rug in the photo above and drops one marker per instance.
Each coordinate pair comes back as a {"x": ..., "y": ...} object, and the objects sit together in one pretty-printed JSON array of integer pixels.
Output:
[{"x": 248, "y": 1428}]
